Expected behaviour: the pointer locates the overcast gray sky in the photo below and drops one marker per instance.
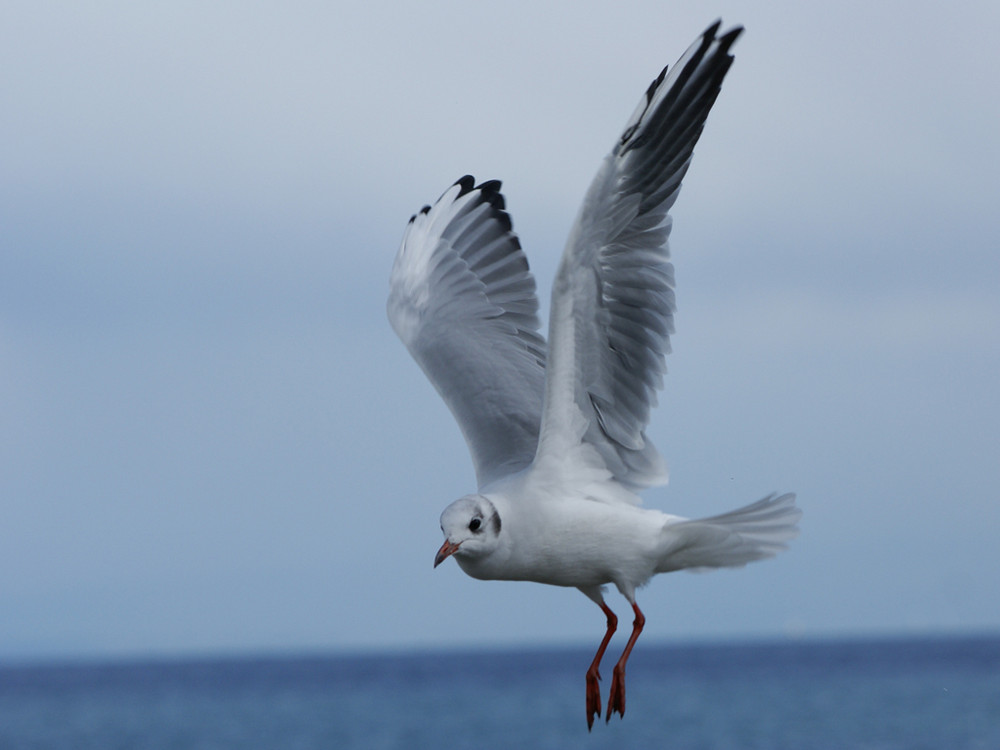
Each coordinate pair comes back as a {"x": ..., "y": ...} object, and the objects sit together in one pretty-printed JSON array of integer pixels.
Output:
[{"x": 210, "y": 438}]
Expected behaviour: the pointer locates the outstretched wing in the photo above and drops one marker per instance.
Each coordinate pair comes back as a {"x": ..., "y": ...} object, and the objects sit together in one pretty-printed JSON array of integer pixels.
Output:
[
  {"x": 613, "y": 298},
  {"x": 463, "y": 301}
]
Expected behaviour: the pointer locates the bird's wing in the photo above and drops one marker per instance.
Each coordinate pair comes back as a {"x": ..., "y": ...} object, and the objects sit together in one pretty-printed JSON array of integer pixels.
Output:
[
  {"x": 463, "y": 301},
  {"x": 613, "y": 298}
]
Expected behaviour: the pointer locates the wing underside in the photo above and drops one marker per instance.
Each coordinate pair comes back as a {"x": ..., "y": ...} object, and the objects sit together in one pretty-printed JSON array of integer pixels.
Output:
[
  {"x": 463, "y": 301},
  {"x": 613, "y": 300}
]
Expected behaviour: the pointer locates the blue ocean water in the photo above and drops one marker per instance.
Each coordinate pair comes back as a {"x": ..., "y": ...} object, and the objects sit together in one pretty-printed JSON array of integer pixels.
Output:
[{"x": 885, "y": 694}]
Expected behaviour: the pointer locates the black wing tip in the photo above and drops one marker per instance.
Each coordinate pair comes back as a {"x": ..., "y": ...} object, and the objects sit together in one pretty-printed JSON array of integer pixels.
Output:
[
  {"x": 713, "y": 30},
  {"x": 466, "y": 183},
  {"x": 651, "y": 90},
  {"x": 725, "y": 40},
  {"x": 490, "y": 189},
  {"x": 422, "y": 212},
  {"x": 489, "y": 192},
  {"x": 708, "y": 38}
]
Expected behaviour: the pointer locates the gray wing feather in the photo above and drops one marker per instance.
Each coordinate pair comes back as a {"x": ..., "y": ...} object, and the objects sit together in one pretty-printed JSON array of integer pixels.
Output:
[
  {"x": 463, "y": 301},
  {"x": 616, "y": 282}
]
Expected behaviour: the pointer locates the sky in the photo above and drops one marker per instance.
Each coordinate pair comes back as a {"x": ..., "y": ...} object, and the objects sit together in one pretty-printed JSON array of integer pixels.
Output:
[{"x": 212, "y": 442}]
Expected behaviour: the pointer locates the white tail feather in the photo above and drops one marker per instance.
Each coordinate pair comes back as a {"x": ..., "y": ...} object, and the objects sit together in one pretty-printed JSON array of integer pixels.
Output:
[{"x": 754, "y": 532}]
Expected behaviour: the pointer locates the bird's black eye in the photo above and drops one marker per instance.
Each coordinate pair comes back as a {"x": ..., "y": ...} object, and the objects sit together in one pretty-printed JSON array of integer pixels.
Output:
[{"x": 475, "y": 523}]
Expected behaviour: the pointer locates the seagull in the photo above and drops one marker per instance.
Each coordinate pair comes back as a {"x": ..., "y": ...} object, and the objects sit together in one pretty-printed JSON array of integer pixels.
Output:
[{"x": 556, "y": 431}]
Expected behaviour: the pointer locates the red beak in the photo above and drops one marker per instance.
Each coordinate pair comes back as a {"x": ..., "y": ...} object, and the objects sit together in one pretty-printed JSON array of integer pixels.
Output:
[{"x": 447, "y": 549}]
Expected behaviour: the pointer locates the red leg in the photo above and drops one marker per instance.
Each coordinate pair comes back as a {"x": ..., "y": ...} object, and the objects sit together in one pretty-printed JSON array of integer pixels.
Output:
[
  {"x": 593, "y": 689},
  {"x": 616, "y": 700}
]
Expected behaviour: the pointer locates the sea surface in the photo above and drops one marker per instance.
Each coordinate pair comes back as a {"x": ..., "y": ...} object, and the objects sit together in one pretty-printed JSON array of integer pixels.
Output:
[{"x": 941, "y": 694}]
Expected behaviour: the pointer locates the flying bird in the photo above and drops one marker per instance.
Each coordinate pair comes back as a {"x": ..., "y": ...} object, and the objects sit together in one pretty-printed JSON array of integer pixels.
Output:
[{"x": 557, "y": 431}]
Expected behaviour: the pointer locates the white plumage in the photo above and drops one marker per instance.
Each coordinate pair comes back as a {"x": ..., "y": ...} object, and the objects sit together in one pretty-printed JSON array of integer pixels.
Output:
[{"x": 557, "y": 433}]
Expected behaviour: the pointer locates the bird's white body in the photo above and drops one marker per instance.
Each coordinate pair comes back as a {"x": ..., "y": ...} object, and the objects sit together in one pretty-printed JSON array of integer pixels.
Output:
[
  {"x": 584, "y": 535},
  {"x": 569, "y": 541},
  {"x": 556, "y": 429}
]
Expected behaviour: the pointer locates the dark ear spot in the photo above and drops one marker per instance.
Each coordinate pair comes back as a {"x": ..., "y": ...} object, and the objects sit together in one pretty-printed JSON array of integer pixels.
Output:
[{"x": 495, "y": 520}]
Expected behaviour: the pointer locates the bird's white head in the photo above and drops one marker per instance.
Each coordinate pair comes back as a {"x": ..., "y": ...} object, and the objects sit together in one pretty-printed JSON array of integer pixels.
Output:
[{"x": 471, "y": 527}]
